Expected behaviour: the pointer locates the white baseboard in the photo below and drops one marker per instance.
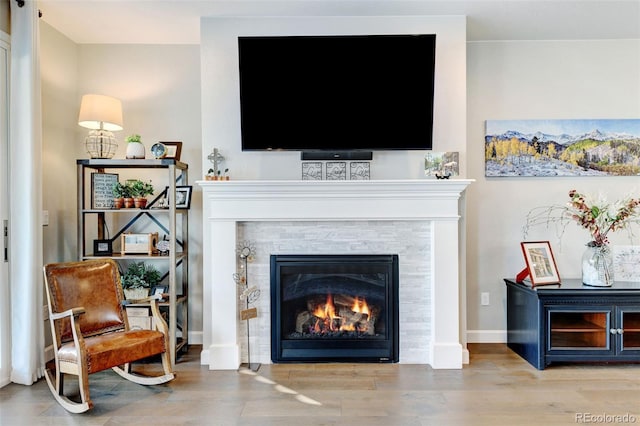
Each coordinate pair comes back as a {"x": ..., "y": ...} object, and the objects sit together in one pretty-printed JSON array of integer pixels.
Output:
[
  {"x": 486, "y": 336},
  {"x": 195, "y": 337}
]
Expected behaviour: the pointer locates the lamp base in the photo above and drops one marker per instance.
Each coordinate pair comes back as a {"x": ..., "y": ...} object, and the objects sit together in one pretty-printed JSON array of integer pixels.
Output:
[{"x": 101, "y": 144}]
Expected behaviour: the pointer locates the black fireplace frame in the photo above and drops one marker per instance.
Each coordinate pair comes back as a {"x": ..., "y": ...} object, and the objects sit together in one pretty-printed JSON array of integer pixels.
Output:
[{"x": 336, "y": 350}]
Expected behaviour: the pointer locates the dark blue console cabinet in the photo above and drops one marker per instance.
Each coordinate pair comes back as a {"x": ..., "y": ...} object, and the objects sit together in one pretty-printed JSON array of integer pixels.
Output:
[{"x": 571, "y": 322}]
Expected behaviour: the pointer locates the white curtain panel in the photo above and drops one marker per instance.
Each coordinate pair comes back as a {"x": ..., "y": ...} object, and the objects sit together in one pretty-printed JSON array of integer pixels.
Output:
[{"x": 25, "y": 197}]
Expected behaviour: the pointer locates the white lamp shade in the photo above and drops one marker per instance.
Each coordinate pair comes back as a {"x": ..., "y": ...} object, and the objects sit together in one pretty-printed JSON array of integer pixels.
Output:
[{"x": 100, "y": 112}]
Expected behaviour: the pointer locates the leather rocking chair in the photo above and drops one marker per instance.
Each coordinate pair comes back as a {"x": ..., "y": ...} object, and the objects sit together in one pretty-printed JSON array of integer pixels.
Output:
[{"x": 91, "y": 331}]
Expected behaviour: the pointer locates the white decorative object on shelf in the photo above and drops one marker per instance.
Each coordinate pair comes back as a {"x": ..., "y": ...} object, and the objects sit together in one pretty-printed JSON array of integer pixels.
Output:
[
  {"x": 359, "y": 170},
  {"x": 626, "y": 263},
  {"x": 312, "y": 171},
  {"x": 135, "y": 148},
  {"x": 336, "y": 170}
]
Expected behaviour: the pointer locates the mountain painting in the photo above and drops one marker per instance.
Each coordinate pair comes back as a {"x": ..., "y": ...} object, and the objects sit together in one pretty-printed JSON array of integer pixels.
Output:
[{"x": 607, "y": 147}]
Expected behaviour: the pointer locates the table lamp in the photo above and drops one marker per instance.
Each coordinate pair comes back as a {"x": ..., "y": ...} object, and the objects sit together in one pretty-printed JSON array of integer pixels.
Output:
[{"x": 103, "y": 115}]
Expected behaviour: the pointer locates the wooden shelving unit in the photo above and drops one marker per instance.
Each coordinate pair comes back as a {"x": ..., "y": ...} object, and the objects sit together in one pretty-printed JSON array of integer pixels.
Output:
[{"x": 170, "y": 221}]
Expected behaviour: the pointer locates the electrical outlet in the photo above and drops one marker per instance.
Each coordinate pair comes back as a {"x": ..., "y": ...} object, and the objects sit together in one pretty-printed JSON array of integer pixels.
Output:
[{"x": 484, "y": 299}]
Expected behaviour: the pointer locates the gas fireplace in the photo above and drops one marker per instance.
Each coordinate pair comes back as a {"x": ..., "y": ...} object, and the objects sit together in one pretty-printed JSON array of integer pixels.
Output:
[{"x": 334, "y": 308}]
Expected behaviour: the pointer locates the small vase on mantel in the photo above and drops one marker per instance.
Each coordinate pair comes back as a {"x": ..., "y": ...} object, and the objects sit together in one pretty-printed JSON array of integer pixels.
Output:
[{"x": 597, "y": 265}]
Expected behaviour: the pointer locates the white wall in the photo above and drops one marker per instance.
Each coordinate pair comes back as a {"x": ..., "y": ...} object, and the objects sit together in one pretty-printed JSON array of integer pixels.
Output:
[
  {"x": 536, "y": 80},
  {"x": 161, "y": 91},
  {"x": 5, "y": 13},
  {"x": 220, "y": 98},
  {"x": 159, "y": 86},
  {"x": 59, "y": 72}
]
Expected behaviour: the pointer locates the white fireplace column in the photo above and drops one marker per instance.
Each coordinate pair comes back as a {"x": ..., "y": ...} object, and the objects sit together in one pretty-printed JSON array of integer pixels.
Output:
[{"x": 225, "y": 203}]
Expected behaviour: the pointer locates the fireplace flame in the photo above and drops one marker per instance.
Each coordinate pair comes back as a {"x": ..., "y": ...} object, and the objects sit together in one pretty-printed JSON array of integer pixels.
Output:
[
  {"x": 328, "y": 320},
  {"x": 360, "y": 307},
  {"x": 326, "y": 311}
]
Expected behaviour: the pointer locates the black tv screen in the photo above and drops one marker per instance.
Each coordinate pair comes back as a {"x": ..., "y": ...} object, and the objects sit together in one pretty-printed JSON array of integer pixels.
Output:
[{"x": 337, "y": 93}]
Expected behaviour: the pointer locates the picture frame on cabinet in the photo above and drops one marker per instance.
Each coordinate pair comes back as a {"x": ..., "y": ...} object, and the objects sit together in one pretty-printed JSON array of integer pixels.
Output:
[
  {"x": 626, "y": 263},
  {"x": 541, "y": 264},
  {"x": 174, "y": 149}
]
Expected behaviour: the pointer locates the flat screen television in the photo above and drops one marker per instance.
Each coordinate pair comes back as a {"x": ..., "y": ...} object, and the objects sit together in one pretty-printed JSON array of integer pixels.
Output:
[{"x": 337, "y": 93}]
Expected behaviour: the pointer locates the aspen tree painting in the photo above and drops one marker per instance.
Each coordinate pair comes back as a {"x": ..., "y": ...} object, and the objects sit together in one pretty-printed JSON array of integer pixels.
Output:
[{"x": 607, "y": 147}]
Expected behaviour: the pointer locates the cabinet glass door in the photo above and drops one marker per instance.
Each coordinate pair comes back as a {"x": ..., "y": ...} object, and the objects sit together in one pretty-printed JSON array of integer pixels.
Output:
[
  {"x": 569, "y": 330},
  {"x": 630, "y": 329}
]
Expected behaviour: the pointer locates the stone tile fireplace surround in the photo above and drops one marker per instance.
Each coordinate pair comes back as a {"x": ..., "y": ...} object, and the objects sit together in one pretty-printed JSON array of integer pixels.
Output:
[{"x": 417, "y": 219}]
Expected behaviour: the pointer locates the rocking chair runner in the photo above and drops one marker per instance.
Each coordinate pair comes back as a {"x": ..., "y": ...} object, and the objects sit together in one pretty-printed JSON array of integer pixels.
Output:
[{"x": 91, "y": 331}]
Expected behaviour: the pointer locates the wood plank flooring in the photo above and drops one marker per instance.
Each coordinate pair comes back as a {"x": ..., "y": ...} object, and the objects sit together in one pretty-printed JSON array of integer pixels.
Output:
[{"x": 496, "y": 388}]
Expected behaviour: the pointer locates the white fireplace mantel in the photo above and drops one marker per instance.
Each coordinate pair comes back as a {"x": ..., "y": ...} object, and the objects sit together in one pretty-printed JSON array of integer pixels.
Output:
[{"x": 226, "y": 203}]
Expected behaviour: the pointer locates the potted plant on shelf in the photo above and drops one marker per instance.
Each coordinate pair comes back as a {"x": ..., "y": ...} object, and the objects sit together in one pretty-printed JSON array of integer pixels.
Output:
[
  {"x": 139, "y": 190},
  {"x": 135, "y": 148},
  {"x": 120, "y": 192},
  {"x": 138, "y": 279}
]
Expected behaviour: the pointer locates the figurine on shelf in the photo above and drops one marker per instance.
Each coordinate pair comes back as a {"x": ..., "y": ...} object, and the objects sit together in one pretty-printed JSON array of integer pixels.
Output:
[
  {"x": 163, "y": 246},
  {"x": 216, "y": 159}
]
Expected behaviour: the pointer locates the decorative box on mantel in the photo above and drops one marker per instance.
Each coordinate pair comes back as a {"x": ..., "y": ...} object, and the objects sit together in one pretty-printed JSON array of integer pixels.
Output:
[{"x": 438, "y": 203}]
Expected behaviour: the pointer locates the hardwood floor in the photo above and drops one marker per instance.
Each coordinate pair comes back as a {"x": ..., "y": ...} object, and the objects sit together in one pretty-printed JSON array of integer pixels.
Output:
[{"x": 496, "y": 388}]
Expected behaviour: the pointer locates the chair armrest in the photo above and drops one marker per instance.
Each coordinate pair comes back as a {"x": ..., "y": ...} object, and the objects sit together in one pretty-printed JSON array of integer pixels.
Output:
[
  {"x": 78, "y": 339},
  {"x": 143, "y": 300},
  {"x": 73, "y": 312},
  {"x": 159, "y": 322}
]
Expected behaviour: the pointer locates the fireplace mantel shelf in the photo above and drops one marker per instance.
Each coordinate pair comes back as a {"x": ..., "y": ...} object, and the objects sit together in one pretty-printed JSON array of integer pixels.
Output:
[
  {"x": 333, "y": 200},
  {"x": 355, "y": 187},
  {"x": 226, "y": 203}
]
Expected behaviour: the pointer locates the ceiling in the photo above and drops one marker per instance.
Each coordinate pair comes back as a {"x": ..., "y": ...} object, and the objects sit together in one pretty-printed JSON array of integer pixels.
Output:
[{"x": 178, "y": 21}]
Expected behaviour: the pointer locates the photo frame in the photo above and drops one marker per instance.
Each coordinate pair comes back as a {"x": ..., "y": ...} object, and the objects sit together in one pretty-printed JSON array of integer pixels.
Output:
[
  {"x": 159, "y": 289},
  {"x": 626, "y": 263},
  {"x": 312, "y": 171},
  {"x": 441, "y": 165},
  {"x": 174, "y": 149},
  {"x": 102, "y": 190},
  {"x": 359, "y": 170},
  {"x": 336, "y": 170},
  {"x": 183, "y": 197},
  {"x": 102, "y": 248},
  {"x": 541, "y": 264}
]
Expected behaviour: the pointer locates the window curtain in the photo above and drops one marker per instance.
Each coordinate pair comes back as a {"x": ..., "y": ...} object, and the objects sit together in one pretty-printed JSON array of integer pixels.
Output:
[{"x": 25, "y": 197}]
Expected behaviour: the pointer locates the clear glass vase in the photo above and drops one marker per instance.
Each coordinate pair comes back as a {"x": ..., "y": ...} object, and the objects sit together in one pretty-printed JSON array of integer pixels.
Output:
[{"x": 597, "y": 266}]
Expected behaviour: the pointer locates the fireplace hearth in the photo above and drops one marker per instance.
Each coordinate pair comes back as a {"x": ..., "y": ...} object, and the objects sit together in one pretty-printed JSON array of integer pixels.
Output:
[{"x": 333, "y": 308}]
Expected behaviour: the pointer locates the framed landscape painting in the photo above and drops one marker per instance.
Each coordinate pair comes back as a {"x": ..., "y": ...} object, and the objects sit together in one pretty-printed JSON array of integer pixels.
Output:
[{"x": 607, "y": 147}]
